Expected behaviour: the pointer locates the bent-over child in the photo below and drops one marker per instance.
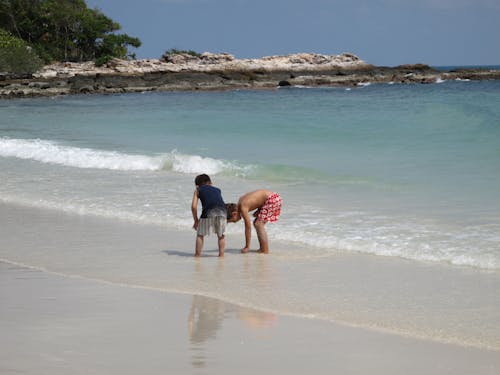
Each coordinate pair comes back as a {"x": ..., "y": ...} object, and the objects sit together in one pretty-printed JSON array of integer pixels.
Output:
[
  {"x": 213, "y": 213},
  {"x": 268, "y": 209}
]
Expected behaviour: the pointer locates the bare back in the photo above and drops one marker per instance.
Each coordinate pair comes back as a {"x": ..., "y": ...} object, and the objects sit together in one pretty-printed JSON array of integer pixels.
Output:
[
  {"x": 253, "y": 200},
  {"x": 249, "y": 202}
]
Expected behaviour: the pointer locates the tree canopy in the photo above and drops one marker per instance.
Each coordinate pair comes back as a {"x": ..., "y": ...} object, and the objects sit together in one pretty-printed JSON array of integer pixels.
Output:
[
  {"x": 16, "y": 56},
  {"x": 65, "y": 30}
]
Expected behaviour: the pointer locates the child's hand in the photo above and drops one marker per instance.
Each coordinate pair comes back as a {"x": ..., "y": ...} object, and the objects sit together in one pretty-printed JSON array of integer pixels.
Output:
[{"x": 195, "y": 225}]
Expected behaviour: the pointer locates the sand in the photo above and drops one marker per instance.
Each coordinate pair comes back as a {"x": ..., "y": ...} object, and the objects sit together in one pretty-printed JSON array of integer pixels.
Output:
[{"x": 55, "y": 322}]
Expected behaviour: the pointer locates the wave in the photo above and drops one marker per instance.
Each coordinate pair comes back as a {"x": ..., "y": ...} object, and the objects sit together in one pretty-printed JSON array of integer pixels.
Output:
[
  {"x": 479, "y": 249},
  {"x": 51, "y": 152}
]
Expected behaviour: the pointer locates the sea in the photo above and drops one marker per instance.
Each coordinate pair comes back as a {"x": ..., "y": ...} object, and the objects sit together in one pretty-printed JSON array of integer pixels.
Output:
[
  {"x": 387, "y": 173},
  {"x": 409, "y": 171}
]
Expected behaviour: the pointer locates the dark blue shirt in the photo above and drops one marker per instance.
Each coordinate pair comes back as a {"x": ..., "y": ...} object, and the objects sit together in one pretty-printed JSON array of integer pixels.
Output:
[{"x": 211, "y": 201}]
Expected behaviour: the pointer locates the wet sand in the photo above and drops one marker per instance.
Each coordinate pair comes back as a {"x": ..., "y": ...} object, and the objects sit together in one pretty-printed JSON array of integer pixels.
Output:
[
  {"x": 55, "y": 322},
  {"x": 52, "y": 324}
]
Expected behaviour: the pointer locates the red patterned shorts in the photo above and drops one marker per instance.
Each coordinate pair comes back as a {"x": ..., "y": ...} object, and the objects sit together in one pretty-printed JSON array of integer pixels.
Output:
[{"x": 271, "y": 210}]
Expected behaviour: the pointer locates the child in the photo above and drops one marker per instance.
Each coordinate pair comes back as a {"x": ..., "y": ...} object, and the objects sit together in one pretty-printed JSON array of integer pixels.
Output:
[
  {"x": 268, "y": 206},
  {"x": 213, "y": 214}
]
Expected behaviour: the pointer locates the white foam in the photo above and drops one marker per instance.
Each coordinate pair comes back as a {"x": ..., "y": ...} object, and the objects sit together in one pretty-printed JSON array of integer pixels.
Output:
[
  {"x": 400, "y": 240},
  {"x": 197, "y": 164},
  {"x": 99, "y": 211},
  {"x": 51, "y": 152}
]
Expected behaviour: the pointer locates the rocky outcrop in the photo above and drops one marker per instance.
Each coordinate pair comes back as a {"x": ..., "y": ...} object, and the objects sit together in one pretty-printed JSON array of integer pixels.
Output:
[
  {"x": 206, "y": 63},
  {"x": 210, "y": 71}
]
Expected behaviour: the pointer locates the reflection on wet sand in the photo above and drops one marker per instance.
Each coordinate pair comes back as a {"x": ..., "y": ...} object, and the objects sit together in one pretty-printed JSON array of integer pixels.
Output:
[
  {"x": 205, "y": 319},
  {"x": 206, "y": 315},
  {"x": 256, "y": 319}
]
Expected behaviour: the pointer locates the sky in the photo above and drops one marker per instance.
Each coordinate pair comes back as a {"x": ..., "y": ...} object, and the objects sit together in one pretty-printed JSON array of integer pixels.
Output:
[{"x": 380, "y": 32}]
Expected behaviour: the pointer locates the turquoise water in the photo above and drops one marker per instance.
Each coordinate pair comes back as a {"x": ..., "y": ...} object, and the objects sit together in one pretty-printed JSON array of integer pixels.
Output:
[{"x": 394, "y": 170}]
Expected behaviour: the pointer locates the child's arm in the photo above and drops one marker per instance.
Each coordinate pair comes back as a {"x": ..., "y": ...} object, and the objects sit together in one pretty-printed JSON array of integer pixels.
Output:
[{"x": 194, "y": 208}]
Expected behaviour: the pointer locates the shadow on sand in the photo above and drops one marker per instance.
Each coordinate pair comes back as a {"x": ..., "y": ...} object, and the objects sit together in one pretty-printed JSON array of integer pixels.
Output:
[{"x": 206, "y": 253}]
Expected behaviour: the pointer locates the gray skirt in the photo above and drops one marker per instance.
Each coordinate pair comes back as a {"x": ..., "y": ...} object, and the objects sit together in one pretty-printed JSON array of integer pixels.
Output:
[{"x": 215, "y": 224}]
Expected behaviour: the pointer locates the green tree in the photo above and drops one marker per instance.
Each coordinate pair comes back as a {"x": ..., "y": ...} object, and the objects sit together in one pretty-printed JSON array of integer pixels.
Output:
[
  {"x": 113, "y": 45},
  {"x": 65, "y": 30},
  {"x": 16, "y": 56}
]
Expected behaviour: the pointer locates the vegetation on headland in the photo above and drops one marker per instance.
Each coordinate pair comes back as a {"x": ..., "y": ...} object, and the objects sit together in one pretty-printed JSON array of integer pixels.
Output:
[
  {"x": 175, "y": 51},
  {"x": 16, "y": 56},
  {"x": 57, "y": 30}
]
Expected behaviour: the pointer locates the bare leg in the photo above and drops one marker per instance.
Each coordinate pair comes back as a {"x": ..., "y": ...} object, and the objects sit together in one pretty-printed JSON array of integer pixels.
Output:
[
  {"x": 222, "y": 245},
  {"x": 199, "y": 246},
  {"x": 262, "y": 236}
]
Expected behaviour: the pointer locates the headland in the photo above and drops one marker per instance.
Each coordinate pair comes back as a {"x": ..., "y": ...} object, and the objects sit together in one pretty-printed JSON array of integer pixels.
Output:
[{"x": 209, "y": 71}]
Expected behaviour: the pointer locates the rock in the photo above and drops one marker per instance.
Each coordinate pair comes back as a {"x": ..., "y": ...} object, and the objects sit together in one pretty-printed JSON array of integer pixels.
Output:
[
  {"x": 39, "y": 85},
  {"x": 86, "y": 89},
  {"x": 284, "y": 83},
  {"x": 215, "y": 58},
  {"x": 415, "y": 67},
  {"x": 209, "y": 71},
  {"x": 179, "y": 58}
]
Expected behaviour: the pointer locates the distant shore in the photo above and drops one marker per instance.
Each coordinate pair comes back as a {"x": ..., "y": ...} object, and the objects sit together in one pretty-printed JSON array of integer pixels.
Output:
[{"x": 221, "y": 72}]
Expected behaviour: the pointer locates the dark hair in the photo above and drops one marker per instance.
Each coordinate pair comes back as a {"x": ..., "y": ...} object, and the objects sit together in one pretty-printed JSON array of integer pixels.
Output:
[
  {"x": 230, "y": 208},
  {"x": 202, "y": 179}
]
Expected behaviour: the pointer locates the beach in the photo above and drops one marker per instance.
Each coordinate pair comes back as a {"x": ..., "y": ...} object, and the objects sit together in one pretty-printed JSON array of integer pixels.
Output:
[
  {"x": 364, "y": 136},
  {"x": 385, "y": 258},
  {"x": 58, "y": 319}
]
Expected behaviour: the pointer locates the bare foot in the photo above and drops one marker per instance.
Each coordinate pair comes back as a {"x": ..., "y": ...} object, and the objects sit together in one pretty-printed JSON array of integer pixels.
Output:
[
  {"x": 245, "y": 250},
  {"x": 263, "y": 251}
]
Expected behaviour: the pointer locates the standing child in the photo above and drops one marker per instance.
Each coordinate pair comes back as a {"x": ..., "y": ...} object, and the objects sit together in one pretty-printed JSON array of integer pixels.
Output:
[
  {"x": 213, "y": 214},
  {"x": 268, "y": 206}
]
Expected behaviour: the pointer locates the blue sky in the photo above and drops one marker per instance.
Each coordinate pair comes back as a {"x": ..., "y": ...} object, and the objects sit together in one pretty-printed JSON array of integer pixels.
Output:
[{"x": 381, "y": 32}]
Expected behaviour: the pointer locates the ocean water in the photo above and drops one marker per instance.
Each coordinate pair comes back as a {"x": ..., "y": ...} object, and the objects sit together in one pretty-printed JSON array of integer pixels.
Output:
[{"x": 410, "y": 171}]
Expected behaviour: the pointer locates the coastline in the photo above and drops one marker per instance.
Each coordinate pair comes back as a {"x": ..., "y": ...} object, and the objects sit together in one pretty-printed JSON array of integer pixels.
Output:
[
  {"x": 390, "y": 296},
  {"x": 58, "y": 318},
  {"x": 222, "y": 72},
  {"x": 385, "y": 262}
]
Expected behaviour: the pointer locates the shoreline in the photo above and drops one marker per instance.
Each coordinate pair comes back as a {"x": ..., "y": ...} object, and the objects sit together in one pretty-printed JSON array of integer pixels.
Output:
[
  {"x": 416, "y": 301},
  {"x": 208, "y": 72}
]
